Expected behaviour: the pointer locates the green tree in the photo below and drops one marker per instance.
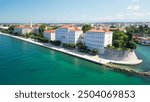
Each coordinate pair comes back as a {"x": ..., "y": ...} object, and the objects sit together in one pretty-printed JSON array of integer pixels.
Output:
[
  {"x": 112, "y": 26},
  {"x": 42, "y": 29},
  {"x": 120, "y": 39},
  {"x": 53, "y": 28},
  {"x": 131, "y": 29},
  {"x": 146, "y": 27},
  {"x": 117, "y": 43},
  {"x": 56, "y": 42},
  {"x": 11, "y": 29},
  {"x": 86, "y": 27},
  {"x": 130, "y": 36},
  {"x": 119, "y": 35},
  {"x": 95, "y": 51},
  {"x": 141, "y": 28},
  {"x": 69, "y": 46},
  {"x": 28, "y": 35},
  {"x": 131, "y": 45},
  {"x": 81, "y": 47}
]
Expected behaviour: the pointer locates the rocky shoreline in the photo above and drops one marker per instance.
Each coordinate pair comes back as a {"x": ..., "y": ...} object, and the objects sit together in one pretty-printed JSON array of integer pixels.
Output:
[{"x": 129, "y": 71}]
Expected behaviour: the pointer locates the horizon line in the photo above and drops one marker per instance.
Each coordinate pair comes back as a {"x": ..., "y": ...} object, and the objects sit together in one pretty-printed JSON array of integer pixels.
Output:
[{"x": 73, "y": 22}]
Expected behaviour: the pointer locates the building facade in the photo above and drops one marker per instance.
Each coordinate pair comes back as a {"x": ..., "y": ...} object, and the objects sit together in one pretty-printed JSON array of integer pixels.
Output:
[
  {"x": 68, "y": 34},
  {"x": 22, "y": 30},
  {"x": 145, "y": 40},
  {"x": 98, "y": 39},
  {"x": 49, "y": 34}
]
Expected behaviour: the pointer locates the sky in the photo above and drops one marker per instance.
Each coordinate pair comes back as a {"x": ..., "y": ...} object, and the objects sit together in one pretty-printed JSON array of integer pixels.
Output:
[{"x": 56, "y": 11}]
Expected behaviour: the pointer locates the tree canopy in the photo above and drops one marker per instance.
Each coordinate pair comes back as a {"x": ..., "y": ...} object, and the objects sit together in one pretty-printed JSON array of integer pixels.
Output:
[
  {"x": 122, "y": 40},
  {"x": 86, "y": 27},
  {"x": 42, "y": 29},
  {"x": 131, "y": 45},
  {"x": 11, "y": 28},
  {"x": 112, "y": 26},
  {"x": 141, "y": 30}
]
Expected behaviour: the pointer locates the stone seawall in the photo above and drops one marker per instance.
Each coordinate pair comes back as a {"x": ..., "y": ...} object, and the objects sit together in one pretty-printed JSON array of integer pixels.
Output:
[
  {"x": 129, "y": 71},
  {"x": 121, "y": 57},
  {"x": 116, "y": 55}
]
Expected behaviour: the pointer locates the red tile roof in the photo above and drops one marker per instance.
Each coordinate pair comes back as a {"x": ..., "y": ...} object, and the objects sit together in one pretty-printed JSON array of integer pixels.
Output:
[
  {"x": 66, "y": 26},
  {"x": 23, "y": 27},
  {"x": 99, "y": 30},
  {"x": 71, "y": 27},
  {"x": 75, "y": 29},
  {"x": 35, "y": 26},
  {"x": 50, "y": 31}
]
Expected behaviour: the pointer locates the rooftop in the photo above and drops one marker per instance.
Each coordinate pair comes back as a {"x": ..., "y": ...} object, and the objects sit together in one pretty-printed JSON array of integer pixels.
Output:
[
  {"x": 50, "y": 31},
  {"x": 23, "y": 27},
  {"x": 71, "y": 27},
  {"x": 99, "y": 30},
  {"x": 27, "y": 26},
  {"x": 66, "y": 26}
]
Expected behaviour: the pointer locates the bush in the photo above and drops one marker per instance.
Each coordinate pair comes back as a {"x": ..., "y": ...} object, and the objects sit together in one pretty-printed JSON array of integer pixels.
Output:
[
  {"x": 82, "y": 47},
  {"x": 95, "y": 51},
  {"x": 69, "y": 46},
  {"x": 41, "y": 39},
  {"x": 56, "y": 43}
]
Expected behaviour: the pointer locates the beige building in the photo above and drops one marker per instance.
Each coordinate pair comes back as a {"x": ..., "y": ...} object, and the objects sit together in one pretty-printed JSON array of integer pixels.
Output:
[
  {"x": 49, "y": 34},
  {"x": 22, "y": 30}
]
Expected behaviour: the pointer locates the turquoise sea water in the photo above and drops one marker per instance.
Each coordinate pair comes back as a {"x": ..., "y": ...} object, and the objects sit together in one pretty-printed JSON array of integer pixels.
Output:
[
  {"x": 143, "y": 52},
  {"x": 29, "y": 64}
]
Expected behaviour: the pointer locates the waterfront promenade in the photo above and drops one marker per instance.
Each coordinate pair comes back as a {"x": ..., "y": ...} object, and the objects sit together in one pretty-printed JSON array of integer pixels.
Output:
[{"x": 95, "y": 59}]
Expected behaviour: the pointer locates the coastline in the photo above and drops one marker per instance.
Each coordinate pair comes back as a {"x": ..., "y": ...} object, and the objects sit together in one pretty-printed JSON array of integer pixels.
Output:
[{"x": 94, "y": 59}]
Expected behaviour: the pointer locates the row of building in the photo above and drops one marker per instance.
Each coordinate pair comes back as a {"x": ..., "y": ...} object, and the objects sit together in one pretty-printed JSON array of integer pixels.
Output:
[
  {"x": 93, "y": 39},
  {"x": 24, "y": 29},
  {"x": 142, "y": 40}
]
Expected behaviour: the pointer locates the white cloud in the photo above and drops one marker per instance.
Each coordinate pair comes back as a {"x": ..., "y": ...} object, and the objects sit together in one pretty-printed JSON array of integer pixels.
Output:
[{"x": 133, "y": 8}]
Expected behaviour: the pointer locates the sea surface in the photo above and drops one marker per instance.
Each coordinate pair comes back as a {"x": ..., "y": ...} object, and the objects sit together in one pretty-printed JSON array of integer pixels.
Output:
[{"x": 22, "y": 63}]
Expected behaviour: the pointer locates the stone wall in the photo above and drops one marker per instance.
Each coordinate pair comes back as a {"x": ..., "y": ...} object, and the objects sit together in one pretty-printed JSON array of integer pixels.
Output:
[{"x": 117, "y": 55}]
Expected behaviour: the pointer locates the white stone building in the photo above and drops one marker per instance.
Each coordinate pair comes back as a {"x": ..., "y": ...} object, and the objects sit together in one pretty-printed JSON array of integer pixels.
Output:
[
  {"x": 68, "y": 34},
  {"x": 3, "y": 27},
  {"x": 49, "y": 34},
  {"x": 98, "y": 39},
  {"x": 22, "y": 30},
  {"x": 35, "y": 29}
]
